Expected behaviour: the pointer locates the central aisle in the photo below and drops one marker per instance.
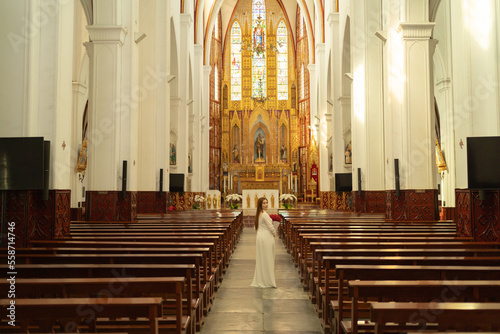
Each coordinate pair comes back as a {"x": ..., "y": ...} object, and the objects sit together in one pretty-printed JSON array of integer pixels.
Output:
[{"x": 240, "y": 308}]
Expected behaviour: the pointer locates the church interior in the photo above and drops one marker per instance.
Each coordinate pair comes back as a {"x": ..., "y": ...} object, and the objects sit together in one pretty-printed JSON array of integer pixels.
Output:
[{"x": 377, "y": 118}]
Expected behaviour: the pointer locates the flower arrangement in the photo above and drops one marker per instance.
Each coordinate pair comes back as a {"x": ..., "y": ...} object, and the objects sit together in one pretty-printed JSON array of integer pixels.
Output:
[
  {"x": 286, "y": 198},
  {"x": 198, "y": 202},
  {"x": 233, "y": 200},
  {"x": 171, "y": 208},
  {"x": 275, "y": 218}
]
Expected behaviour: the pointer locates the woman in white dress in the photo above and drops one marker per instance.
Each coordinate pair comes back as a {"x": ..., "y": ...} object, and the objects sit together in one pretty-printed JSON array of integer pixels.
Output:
[{"x": 264, "y": 259}]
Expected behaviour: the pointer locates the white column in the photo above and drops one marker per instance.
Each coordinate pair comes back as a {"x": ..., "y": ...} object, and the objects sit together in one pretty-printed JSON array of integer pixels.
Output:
[
  {"x": 322, "y": 110},
  {"x": 367, "y": 95},
  {"x": 198, "y": 83},
  {"x": 184, "y": 80},
  {"x": 418, "y": 160},
  {"x": 104, "y": 166},
  {"x": 205, "y": 132}
]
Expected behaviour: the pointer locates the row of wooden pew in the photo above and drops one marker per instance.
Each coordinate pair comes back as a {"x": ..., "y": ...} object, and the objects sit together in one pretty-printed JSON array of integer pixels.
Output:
[
  {"x": 155, "y": 275},
  {"x": 367, "y": 274}
]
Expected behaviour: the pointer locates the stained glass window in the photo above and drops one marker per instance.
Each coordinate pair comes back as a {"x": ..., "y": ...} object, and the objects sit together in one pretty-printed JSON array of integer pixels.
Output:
[
  {"x": 282, "y": 57},
  {"x": 236, "y": 62},
  {"x": 259, "y": 48}
]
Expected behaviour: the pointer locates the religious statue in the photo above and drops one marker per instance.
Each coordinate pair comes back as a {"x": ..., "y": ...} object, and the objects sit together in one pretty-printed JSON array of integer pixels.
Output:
[
  {"x": 215, "y": 202},
  {"x": 272, "y": 201},
  {"x": 283, "y": 152},
  {"x": 248, "y": 201},
  {"x": 209, "y": 202},
  {"x": 256, "y": 200},
  {"x": 172, "y": 154},
  {"x": 236, "y": 154},
  {"x": 348, "y": 154},
  {"x": 259, "y": 147}
]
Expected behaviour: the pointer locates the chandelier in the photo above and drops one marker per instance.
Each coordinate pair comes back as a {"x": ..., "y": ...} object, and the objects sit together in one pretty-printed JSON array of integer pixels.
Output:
[{"x": 261, "y": 95}]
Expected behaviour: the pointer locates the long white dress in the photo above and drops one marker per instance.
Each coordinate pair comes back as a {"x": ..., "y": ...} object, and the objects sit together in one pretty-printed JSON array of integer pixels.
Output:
[{"x": 264, "y": 259}]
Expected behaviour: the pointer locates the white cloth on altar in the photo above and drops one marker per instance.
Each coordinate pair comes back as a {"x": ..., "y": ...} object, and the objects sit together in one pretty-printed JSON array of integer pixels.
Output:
[{"x": 264, "y": 256}]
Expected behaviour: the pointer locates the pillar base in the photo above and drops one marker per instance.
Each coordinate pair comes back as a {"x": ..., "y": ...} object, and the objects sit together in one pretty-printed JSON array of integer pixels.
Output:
[
  {"x": 35, "y": 218},
  {"x": 476, "y": 218},
  {"x": 151, "y": 202},
  {"x": 111, "y": 206},
  {"x": 411, "y": 205},
  {"x": 368, "y": 201}
]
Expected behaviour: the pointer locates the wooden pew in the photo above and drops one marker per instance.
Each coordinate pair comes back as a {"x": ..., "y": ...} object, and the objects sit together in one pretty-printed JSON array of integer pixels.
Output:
[
  {"x": 344, "y": 273},
  {"x": 201, "y": 273},
  {"x": 458, "y": 316},
  {"x": 422, "y": 291},
  {"x": 214, "y": 263},
  {"x": 306, "y": 269},
  {"x": 380, "y": 255},
  {"x": 169, "y": 288},
  {"x": 119, "y": 271},
  {"x": 166, "y": 287},
  {"x": 45, "y": 311}
]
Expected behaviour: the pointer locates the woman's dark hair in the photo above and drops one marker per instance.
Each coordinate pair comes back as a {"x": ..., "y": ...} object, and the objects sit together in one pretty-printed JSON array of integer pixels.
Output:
[{"x": 259, "y": 211}]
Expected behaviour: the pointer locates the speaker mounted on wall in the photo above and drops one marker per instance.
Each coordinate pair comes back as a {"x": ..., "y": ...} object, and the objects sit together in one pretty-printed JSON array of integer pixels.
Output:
[
  {"x": 396, "y": 176},
  {"x": 161, "y": 180},
  {"x": 359, "y": 180},
  {"x": 124, "y": 179}
]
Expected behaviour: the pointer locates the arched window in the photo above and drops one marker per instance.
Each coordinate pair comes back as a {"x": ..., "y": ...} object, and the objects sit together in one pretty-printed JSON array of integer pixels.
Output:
[
  {"x": 282, "y": 57},
  {"x": 236, "y": 62},
  {"x": 302, "y": 82},
  {"x": 216, "y": 83},
  {"x": 259, "y": 85}
]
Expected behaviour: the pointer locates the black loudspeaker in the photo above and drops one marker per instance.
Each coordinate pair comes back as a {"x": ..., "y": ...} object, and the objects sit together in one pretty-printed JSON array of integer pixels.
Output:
[
  {"x": 161, "y": 180},
  {"x": 396, "y": 174},
  {"x": 124, "y": 180},
  {"x": 359, "y": 180},
  {"x": 46, "y": 170}
]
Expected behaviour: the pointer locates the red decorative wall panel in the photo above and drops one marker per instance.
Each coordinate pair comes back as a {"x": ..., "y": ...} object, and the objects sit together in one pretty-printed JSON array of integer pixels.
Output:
[
  {"x": 35, "y": 218},
  {"x": 486, "y": 216},
  {"x": 412, "y": 205},
  {"x": 463, "y": 213},
  {"x": 110, "y": 206},
  {"x": 368, "y": 201}
]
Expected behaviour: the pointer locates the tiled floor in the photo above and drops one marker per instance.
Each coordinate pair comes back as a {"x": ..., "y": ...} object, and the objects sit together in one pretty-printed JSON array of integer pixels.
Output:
[{"x": 240, "y": 308}]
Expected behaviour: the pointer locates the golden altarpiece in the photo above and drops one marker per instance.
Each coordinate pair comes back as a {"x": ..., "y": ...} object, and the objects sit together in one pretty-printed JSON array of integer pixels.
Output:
[{"x": 264, "y": 140}]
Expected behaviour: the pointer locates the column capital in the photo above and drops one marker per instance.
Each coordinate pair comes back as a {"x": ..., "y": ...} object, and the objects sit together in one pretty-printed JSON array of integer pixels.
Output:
[
  {"x": 79, "y": 87},
  {"x": 333, "y": 18},
  {"x": 107, "y": 34},
  {"x": 320, "y": 47},
  {"x": 344, "y": 100},
  {"x": 416, "y": 30},
  {"x": 186, "y": 19},
  {"x": 311, "y": 68}
]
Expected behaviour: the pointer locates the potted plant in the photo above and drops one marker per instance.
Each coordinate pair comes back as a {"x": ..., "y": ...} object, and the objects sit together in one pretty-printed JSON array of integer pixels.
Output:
[
  {"x": 287, "y": 200},
  {"x": 198, "y": 202},
  {"x": 233, "y": 200}
]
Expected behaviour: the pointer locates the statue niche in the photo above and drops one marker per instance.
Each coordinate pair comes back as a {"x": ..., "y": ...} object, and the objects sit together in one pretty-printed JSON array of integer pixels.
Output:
[{"x": 260, "y": 146}]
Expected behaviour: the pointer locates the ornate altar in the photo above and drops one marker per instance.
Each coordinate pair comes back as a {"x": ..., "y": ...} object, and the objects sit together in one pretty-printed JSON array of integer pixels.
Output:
[{"x": 264, "y": 106}]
